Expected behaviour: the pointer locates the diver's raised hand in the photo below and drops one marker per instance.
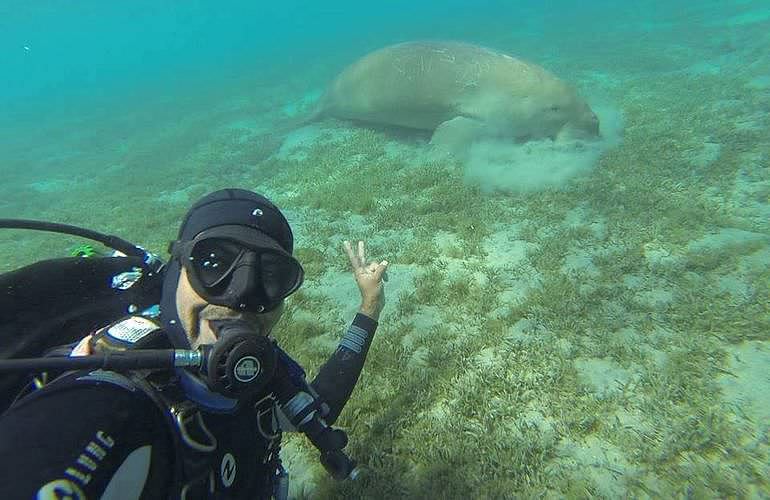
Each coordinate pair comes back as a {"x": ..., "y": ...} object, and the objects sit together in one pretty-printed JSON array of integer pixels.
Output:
[{"x": 370, "y": 278}]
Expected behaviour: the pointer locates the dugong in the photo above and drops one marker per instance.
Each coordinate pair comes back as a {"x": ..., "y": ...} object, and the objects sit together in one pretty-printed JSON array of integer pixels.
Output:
[{"x": 460, "y": 92}]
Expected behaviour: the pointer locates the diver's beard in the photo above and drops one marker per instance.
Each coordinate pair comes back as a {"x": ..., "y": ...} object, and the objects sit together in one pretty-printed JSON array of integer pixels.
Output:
[{"x": 208, "y": 313}]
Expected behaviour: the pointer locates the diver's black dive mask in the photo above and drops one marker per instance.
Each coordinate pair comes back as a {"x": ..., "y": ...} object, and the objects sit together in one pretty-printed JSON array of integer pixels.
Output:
[{"x": 239, "y": 267}]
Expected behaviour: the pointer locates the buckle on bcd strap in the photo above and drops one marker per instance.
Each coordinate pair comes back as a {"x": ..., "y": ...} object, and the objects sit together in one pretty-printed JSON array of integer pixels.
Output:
[{"x": 186, "y": 413}]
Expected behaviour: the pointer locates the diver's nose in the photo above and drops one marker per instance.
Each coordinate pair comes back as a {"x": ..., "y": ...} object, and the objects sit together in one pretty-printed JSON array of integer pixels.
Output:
[{"x": 245, "y": 281}]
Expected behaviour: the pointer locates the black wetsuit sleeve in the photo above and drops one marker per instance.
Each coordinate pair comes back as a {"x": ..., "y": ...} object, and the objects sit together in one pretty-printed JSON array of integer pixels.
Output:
[
  {"x": 82, "y": 440},
  {"x": 338, "y": 376}
]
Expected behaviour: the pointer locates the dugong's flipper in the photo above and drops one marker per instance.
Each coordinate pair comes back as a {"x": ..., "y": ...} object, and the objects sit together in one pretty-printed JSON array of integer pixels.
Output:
[{"x": 455, "y": 135}]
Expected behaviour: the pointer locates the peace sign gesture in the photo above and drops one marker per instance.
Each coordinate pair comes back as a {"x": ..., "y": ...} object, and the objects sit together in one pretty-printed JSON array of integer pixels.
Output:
[{"x": 369, "y": 277}]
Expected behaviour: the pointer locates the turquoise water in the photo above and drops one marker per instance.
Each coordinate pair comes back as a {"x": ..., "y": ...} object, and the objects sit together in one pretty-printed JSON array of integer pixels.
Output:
[{"x": 563, "y": 320}]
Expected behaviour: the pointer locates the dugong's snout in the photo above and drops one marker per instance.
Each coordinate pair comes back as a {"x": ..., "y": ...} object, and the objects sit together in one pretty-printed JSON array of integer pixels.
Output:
[{"x": 584, "y": 126}]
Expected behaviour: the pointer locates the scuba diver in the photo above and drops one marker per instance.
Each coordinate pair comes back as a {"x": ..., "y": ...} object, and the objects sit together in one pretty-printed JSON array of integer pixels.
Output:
[{"x": 162, "y": 381}]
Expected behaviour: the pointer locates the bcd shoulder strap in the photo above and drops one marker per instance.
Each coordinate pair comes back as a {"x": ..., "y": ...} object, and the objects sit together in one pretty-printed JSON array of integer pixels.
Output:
[{"x": 193, "y": 443}]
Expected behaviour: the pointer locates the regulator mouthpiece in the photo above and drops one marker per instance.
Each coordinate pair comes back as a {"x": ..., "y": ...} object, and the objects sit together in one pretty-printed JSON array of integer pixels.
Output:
[{"x": 241, "y": 362}]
